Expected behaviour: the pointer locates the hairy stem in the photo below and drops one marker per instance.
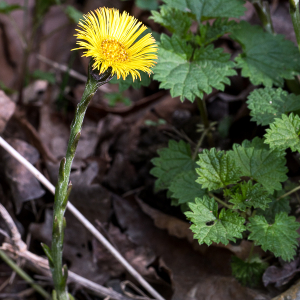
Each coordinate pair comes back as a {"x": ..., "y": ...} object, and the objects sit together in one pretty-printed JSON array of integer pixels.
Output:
[
  {"x": 63, "y": 187},
  {"x": 290, "y": 192},
  {"x": 220, "y": 201},
  {"x": 204, "y": 117},
  {"x": 263, "y": 10},
  {"x": 295, "y": 15}
]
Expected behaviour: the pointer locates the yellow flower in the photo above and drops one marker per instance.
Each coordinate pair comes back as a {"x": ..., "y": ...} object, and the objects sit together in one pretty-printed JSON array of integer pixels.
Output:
[{"x": 110, "y": 39}]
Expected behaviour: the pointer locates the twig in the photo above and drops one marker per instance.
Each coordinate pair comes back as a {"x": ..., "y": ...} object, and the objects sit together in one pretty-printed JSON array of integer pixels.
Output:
[
  {"x": 72, "y": 72},
  {"x": 23, "y": 275},
  {"x": 87, "y": 224},
  {"x": 43, "y": 265},
  {"x": 15, "y": 235}
]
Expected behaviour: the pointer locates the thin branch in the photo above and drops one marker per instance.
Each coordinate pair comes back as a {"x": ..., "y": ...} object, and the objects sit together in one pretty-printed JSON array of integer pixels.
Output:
[
  {"x": 23, "y": 275},
  {"x": 42, "y": 265},
  {"x": 87, "y": 224}
]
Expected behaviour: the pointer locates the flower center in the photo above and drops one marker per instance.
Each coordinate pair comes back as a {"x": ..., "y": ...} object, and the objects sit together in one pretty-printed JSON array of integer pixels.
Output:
[{"x": 114, "y": 51}]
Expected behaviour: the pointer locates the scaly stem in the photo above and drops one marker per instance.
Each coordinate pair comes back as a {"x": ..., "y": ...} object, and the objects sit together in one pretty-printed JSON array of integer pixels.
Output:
[
  {"x": 204, "y": 117},
  {"x": 295, "y": 15},
  {"x": 63, "y": 186},
  {"x": 23, "y": 275},
  {"x": 263, "y": 10}
]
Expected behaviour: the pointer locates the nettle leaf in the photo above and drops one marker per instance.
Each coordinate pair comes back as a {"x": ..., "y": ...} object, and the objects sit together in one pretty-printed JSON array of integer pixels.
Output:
[
  {"x": 248, "y": 195},
  {"x": 173, "y": 19},
  {"x": 248, "y": 272},
  {"x": 128, "y": 82},
  {"x": 210, "y": 8},
  {"x": 209, "y": 33},
  {"x": 6, "y": 8},
  {"x": 257, "y": 161},
  {"x": 185, "y": 188},
  {"x": 279, "y": 237},
  {"x": 147, "y": 4},
  {"x": 189, "y": 77},
  {"x": 172, "y": 161},
  {"x": 265, "y": 104},
  {"x": 275, "y": 206},
  {"x": 266, "y": 59},
  {"x": 217, "y": 169},
  {"x": 284, "y": 133},
  {"x": 210, "y": 227}
]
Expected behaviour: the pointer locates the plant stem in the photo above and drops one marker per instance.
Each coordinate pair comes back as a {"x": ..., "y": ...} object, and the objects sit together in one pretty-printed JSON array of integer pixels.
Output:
[
  {"x": 63, "y": 187},
  {"x": 199, "y": 143},
  {"x": 23, "y": 275},
  {"x": 250, "y": 253},
  {"x": 290, "y": 192},
  {"x": 220, "y": 201},
  {"x": 263, "y": 10},
  {"x": 295, "y": 15},
  {"x": 204, "y": 117}
]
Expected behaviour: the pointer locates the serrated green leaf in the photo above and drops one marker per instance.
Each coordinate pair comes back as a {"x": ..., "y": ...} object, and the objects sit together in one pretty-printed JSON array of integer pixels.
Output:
[
  {"x": 279, "y": 237},
  {"x": 275, "y": 206},
  {"x": 188, "y": 76},
  {"x": 210, "y": 227},
  {"x": 265, "y": 104},
  {"x": 248, "y": 195},
  {"x": 172, "y": 161},
  {"x": 217, "y": 169},
  {"x": 210, "y": 32},
  {"x": 185, "y": 188},
  {"x": 210, "y": 8},
  {"x": 257, "y": 161},
  {"x": 173, "y": 19},
  {"x": 6, "y": 8},
  {"x": 266, "y": 59},
  {"x": 284, "y": 133},
  {"x": 128, "y": 82},
  {"x": 74, "y": 14},
  {"x": 248, "y": 272}
]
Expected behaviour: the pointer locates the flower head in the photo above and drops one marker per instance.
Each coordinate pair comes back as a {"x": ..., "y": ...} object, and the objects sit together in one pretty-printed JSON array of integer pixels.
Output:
[{"x": 111, "y": 39}]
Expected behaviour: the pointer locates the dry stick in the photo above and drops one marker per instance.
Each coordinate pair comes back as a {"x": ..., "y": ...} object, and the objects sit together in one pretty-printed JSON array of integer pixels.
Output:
[
  {"x": 87, "y": 224},
  {"x": 19, "y": 250},
  {"x": 43, "y": 265}
]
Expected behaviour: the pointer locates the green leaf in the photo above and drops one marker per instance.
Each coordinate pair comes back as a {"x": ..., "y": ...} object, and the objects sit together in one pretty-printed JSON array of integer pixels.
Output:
[
  {"x": 209, "y": 33},
  {"x": 185, "y": 188},
  {"x": 265, "y": 104},
  {"x": 114, "y": 98},
  {"x": 74, "y": 14},
  {"x": 174, "y": 20},
  {"x": 217, "y": 169},
  {"x": 248, "y": 272},
  {"x": 189, "y": 73},
  {"x": 266, "y": 59},
  {"x": 275, "y": 206},
  {"x": 172, "y": 161},
  {"x": 6, "y": 8},
  {"x": 48, "y": 76},
  {"x": 210, "y": 8},
  {"x": 147, "y": 4},
  {"x": 257, "y": 161},
  {"x": 128, "y": 82},
  {"x": 284, "y": 133},
  {"x": 279, "y": 237},
  {"x": 248, "y": 195},
  {"x": 210, "y": 227},
  {"x": 40, "y": 9}
]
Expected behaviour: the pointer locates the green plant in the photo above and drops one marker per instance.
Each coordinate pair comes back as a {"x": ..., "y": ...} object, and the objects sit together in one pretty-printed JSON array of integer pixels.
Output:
[{"x": 239, "y": 193}]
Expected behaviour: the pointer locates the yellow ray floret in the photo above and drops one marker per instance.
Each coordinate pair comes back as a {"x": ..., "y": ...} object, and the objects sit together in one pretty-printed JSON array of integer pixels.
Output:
[{"x": 110, "y": 38}]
